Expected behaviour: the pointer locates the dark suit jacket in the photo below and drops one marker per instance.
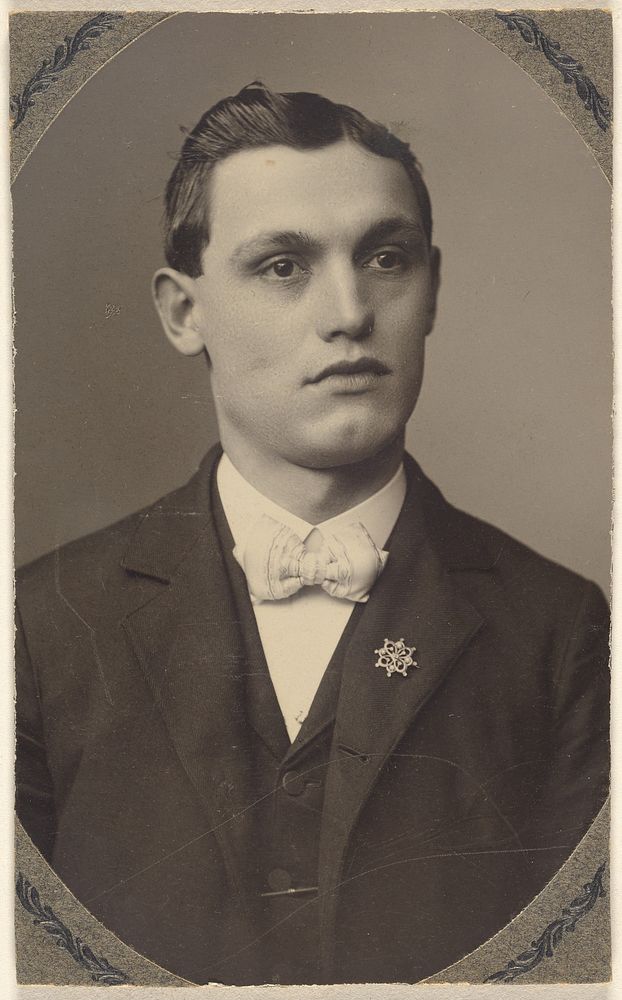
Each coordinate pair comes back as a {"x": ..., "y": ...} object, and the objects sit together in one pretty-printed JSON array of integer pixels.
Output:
[{"x": 451, "y": 797}]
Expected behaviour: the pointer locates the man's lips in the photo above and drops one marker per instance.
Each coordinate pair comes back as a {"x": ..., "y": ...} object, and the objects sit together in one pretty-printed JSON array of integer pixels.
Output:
[{"x": 366, "y": 366}]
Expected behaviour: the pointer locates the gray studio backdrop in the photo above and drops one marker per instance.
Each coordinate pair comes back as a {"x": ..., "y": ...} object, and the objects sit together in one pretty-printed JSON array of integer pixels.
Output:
[{"x": 514, "y": 419}]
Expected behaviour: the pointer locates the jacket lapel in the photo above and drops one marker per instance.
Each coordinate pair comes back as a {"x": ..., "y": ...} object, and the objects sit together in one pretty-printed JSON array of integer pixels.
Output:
[
  {"x": 415, "y": 599},
  {"x": 189, "y": 645}
]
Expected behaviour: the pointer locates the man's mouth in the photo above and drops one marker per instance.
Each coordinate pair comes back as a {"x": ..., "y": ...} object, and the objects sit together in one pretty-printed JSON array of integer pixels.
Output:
[{"x": 359, "y": 371}]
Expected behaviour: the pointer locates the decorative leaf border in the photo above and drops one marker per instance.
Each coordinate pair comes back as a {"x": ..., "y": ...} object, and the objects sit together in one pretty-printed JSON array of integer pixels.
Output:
[
  {"x": 544, "y": 946},
  {"x": 100, "y": 970},
  {"x": 570, "y": 69},
  {"x": 64, "y": 55}
]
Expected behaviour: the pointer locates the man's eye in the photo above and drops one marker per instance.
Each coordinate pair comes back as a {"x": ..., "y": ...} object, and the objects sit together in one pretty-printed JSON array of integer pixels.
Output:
[
  {"x": 387, "y": 260},
  {"x": 284, "y": 268}
]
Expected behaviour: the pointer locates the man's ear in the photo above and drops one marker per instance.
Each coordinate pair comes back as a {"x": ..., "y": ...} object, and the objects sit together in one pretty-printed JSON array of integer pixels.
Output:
[
  {"x": 174, "y": 297},
  {"x": 435, "y": 270}
]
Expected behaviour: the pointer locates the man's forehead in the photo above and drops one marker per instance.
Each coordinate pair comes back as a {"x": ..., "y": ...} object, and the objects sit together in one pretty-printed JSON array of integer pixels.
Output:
[{"x": 279, "y": 188}]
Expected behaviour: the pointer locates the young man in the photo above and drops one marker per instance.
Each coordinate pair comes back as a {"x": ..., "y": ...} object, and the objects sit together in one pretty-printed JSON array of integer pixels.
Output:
[{"x": 302, "y": 721}]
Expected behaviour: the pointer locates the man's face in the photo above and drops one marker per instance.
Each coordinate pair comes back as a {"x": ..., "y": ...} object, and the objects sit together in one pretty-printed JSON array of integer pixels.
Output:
[{"x": 318, "y": 290}]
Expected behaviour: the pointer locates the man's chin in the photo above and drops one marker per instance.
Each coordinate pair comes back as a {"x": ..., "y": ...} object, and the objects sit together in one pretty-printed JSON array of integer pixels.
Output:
[{"x": 335, "y": 454}]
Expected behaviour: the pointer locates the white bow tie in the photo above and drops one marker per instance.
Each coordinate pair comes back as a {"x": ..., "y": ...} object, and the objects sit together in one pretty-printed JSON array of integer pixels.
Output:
[{"x": 277, "y": 563}]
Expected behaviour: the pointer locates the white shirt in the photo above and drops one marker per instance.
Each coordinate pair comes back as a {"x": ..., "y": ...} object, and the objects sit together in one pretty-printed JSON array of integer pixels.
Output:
[{"x": 300, "y": 633}]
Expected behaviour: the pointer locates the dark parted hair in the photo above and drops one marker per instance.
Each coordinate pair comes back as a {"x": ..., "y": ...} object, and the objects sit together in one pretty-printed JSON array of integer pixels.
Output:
[{"x": 253, "y": 118}]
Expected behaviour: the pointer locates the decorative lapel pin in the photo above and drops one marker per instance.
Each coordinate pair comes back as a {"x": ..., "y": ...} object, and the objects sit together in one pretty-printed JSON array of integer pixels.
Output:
[{"x": 396, "y": 657}]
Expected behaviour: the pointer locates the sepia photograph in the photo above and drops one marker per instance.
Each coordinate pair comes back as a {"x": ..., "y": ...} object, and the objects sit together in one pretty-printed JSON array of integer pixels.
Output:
[{"x": 313, "y": 387}]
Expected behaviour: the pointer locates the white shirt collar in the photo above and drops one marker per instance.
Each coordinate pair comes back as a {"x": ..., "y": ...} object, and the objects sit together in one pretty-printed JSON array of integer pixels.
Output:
[{"x": 244, "y": 505}]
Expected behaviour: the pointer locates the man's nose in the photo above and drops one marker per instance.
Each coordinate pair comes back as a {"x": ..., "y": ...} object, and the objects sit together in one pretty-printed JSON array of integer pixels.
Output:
[{"x": 343, "y": 307}]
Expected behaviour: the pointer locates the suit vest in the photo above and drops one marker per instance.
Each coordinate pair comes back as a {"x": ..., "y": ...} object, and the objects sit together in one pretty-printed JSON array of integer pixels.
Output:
[{"x": 280, "y": 833}]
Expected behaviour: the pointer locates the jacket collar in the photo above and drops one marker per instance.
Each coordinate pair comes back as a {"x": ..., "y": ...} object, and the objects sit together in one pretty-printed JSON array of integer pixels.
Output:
[{"x": 168, "y": 530}]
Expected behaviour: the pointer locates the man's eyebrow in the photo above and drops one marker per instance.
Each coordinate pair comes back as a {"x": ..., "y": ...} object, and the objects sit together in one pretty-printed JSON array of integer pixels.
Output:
[
  {"x": 283, "y": 239},
  {"x": 403, "y": 227}
]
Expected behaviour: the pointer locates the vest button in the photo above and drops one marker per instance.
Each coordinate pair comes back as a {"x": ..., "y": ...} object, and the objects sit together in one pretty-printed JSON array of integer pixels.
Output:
[
  {"x": 279, "y": 880},
  {"x": 293, "y": 784}
]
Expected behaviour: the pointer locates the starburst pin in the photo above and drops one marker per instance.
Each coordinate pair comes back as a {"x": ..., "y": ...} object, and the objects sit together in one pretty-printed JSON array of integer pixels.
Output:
[{"x": 396, "y": 657}]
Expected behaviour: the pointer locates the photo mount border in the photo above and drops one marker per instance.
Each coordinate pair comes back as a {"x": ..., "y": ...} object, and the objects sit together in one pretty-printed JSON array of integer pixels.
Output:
[{"x": 550, "y": 65}]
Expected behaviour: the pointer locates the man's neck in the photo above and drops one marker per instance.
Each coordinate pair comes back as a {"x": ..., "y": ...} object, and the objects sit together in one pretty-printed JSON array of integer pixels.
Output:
[{"x": 315, "y": 495}]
